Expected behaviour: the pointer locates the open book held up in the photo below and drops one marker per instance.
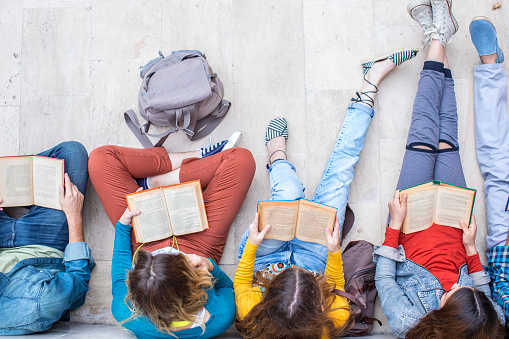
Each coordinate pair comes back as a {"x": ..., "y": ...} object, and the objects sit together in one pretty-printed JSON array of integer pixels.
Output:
[
  {"x": 437, "y": 202},
  {"x": 31, "y": 180},
  {"x": 306, "y": 220},
  {"x": 168, "y": 210}
]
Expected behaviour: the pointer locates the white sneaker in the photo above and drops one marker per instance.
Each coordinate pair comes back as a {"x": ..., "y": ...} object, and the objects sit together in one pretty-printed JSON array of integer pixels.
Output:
[
  {"x": 233, "y": 140},
  {"x": 421, "y": 11},
  {"x": 443, "y": 20}
]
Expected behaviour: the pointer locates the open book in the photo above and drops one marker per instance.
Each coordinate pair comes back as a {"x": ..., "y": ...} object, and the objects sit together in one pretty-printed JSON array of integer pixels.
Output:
[
  {"x": 306, "y": 220},
  {"x": 437, "y": 202},
  {"x": 168, "y": 210},
  {"x": 31, "y": 180}
]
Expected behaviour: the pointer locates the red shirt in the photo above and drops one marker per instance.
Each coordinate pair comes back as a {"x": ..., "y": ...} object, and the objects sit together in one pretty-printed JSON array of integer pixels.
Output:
[{"x": 439, "y": 249}]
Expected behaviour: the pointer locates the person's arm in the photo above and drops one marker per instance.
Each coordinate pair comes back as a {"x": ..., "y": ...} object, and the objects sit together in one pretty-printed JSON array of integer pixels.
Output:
[
  {"x": 67, "y": 289},
  {"x": 121, "y": 265},
  {"x": 334, "y": 266},
  {"x": 473, "y": 261},
  {"x": 221, "y": 279},
  {"x": 247, "y": 296},
  {"x": 498, "y": 268},
  {"x": 393, "y": 298}
]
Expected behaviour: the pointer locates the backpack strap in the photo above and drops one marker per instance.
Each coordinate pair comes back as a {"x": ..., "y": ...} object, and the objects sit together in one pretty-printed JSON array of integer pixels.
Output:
[
  {"x": 206, "y": 125},
  {"x": 140, "y": 131}
]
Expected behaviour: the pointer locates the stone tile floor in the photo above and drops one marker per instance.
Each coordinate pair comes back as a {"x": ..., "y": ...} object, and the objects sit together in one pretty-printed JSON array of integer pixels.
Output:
[{"x": 69, "y": 69}]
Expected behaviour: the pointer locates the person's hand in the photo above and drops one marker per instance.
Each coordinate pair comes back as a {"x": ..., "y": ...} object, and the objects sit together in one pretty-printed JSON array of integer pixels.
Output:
[
  {"x": 127, "y": 217},
  {"x": 397, "y": 209},
  {"x": 71, "y": 199},
  {"x": 469, "y": 236},
  {"x": 333, "y": 237},
  {"x": 200, "y": 262},
  {"x": 255, "y": 236},
  {"x": 1, "y": 201}
]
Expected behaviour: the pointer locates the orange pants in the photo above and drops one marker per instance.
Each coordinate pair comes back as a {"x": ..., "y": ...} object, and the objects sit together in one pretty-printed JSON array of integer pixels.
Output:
[{"x": 225, "y": 179}]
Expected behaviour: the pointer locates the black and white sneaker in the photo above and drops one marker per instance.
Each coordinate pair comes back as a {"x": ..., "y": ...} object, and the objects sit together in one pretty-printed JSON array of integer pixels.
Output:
[{"x": 220, "y": 146}]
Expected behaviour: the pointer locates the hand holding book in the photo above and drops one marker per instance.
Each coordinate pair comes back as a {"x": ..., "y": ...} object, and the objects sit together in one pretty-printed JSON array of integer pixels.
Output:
[
  {"x": 333, "y": 237},
  {"x": 397, "y": 210},
  {"x": 256, "y": 236},
  {"x": 469, "y": 236}
]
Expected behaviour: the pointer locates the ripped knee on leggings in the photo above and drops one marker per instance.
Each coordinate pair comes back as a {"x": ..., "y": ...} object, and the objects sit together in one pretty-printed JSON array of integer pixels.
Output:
[
  {"x": 421, "y": 147},
  {"x": 446, "y": 146}
]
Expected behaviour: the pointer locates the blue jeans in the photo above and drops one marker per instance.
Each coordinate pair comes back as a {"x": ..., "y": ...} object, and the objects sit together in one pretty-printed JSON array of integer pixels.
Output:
[
  {"x": 332, "y": 190},
  {"x": 492, "y": 144},
  {"x": 46, "y": 226}
]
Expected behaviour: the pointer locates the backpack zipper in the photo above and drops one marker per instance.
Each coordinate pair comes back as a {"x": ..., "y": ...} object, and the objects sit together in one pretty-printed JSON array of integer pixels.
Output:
[{"x": 358, "y": 273}]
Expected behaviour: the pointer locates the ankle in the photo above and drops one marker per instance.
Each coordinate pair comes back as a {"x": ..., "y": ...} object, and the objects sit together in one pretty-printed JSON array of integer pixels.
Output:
[{"x": 489, "y": 59}]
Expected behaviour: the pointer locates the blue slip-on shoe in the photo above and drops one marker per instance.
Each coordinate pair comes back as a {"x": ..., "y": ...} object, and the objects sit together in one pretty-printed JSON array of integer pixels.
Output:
[{"x": 484, "y": 38}]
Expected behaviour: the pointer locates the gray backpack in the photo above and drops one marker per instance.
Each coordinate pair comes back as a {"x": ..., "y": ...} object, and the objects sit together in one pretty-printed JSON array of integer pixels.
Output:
[{"x": 179, "y": 91}]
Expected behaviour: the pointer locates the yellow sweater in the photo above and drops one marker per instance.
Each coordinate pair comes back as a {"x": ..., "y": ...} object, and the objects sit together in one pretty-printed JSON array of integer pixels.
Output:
[{"x": 247, "y": 296}]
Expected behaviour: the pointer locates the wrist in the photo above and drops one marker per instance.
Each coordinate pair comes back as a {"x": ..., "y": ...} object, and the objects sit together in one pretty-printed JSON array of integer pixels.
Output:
[
  {"x": 395, "y": 225},
  {"x": 470, "y": 250}
]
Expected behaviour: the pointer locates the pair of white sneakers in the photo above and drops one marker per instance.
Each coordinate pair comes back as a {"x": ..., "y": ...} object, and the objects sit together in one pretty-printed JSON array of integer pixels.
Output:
[{"x": 435, "y": 18}]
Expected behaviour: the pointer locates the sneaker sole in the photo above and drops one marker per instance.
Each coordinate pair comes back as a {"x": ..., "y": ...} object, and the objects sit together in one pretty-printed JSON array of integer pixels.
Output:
[
  {"x": 233, "y": 140},
  {"x": 481, "y": 18}
]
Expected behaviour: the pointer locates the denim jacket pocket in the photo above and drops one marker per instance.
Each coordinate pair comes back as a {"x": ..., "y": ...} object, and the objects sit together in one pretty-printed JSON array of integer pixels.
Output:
[{"x": 430, "y": 299}]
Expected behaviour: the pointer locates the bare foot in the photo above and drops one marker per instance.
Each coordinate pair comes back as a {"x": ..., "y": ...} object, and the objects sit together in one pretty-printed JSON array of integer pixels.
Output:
[
  {"x": 380, "y": 70},
  {"x": 489, "y": 59}
]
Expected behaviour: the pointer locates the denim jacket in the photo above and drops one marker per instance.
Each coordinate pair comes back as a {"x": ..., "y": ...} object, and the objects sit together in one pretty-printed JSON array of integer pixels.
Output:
[
  {"x": 409, "y": 291},
  {"x": 38, "y": 292}
]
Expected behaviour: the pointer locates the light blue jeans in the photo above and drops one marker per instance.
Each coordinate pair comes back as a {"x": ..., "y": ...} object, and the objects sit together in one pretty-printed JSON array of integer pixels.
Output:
[
  {"x": 492, "y": 143},
  {"x": 332, "y": 190},
  {"x": 46, "y": 226}
]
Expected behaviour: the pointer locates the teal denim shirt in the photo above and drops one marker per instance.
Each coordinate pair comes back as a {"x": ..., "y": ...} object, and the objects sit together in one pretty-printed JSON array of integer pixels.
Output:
[
  {"x": 37, "y": 292},
  {"x": 409, "y": 291}
]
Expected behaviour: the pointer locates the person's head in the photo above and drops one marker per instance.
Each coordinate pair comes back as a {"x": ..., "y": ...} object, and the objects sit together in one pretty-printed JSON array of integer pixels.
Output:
[
  {"x": 166, "y": 288},
  {"x": 465, "y": 312},
  {"x": 296, "y": 305}
]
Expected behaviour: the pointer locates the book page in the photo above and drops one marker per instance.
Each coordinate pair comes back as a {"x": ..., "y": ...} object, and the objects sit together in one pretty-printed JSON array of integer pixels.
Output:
[
  {"x": 153, "y": 223},
  {"x": 312, "y": 220},
  {"x": 16, "y": 181},
  {"x": 48, "y": 175},
  {"x": 281, "y": 216},
  {"x": 453, "y": 204},
  {"x": 185, "y": 208},
  {"x": 420, "y": 210}
]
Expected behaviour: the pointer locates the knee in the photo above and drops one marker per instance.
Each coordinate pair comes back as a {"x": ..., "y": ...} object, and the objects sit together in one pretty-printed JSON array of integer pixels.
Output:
[
  {"x": 244, "y": 160},
  {"x": 74, "y": 147},
  {"x": 422, "y": 147},
  {"x": 98, "y": 158}
]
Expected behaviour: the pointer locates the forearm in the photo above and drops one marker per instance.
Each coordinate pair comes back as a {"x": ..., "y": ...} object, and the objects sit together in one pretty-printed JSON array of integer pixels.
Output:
[
  {"x": 334, "y": 270},
  {"x": 121, "y": 262},
  {"x": 75, "y": 224},
  {"x": 244, "y": 272}
]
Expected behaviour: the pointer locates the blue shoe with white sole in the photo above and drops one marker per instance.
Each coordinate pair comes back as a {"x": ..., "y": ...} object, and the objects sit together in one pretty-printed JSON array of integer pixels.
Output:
[
  {"x": 484, "y": 38},
  {"x": 220, "y": 146}
]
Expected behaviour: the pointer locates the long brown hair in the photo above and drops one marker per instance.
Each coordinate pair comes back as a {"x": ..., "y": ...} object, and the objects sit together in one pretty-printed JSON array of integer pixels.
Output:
[
  {"x": 166, "y": 288},
  {"x": 468, "y": 313},
  {"x": 292, "y": 308}
]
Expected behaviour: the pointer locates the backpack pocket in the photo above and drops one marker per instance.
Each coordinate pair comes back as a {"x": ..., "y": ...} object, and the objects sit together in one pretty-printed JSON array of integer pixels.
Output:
[{"x": 179, "y": 85}]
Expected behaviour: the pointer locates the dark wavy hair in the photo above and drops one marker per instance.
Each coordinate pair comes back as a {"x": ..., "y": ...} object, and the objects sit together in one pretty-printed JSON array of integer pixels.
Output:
[
  {"x": 166, "y": 288},
  {"x": 468, "y": 313},
  {"x": 292, "y": 308}
]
